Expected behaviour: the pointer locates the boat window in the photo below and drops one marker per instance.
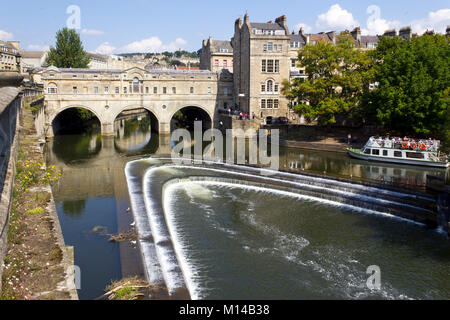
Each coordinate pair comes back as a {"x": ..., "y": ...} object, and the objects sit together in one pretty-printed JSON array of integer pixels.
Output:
[
  {"x": 415, "y": 155},
  {"x": 376, "y": 152},
  {"x": 398, "y": 154},
  {"x": 385, "y": 153},
  {"x": 367, "y": 151}
]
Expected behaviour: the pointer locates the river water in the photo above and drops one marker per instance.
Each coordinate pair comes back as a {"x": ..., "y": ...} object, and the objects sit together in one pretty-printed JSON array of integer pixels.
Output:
[{"x": 244, "y": 243}]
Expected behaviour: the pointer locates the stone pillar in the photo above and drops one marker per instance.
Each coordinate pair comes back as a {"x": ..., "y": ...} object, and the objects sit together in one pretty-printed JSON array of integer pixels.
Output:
[
  {"x": 107, "y": 129},
  {"x": 164, "y": 128},
  {"x": 164, "y": 145}
]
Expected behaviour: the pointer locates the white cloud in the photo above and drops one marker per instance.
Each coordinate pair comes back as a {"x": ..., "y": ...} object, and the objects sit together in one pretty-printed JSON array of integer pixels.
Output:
[
  {"x": 105, "y": 48},
  {"x": 153, "y": 44},
  {"x": 437, "y": 21},
  {"x": 5, "y": 36},
  {"x": 92, "y": 32},
  {"x": 336, "y": 19},
  {"x": 36, "y": 47},
  {"x": 306, "y": 28},
  {"x": 379, "y": 26}
]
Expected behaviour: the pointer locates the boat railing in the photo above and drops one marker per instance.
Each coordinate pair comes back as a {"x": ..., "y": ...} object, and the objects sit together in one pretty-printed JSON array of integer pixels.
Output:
[{"x": 401, "y": 144}]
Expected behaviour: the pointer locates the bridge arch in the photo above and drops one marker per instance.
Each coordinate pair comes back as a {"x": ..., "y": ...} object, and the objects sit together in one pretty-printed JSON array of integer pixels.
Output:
[
  {"x": 55, "y": 126},
  {"x": 193, "y": 111},
  {"x": 155, "y": 117}
]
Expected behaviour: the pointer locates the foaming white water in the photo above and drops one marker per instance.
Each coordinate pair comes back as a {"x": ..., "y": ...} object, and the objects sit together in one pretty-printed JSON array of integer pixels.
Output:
[
  {"x": 169, "y": 264},
  {"x": 190, "y": 271},
  {"x": 148, "y": 251},
  {"x": 198, "y": 191}
]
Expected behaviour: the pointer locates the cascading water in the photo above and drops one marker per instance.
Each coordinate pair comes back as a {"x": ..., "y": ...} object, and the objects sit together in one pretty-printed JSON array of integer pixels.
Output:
[{"x": 221, "y": 231}]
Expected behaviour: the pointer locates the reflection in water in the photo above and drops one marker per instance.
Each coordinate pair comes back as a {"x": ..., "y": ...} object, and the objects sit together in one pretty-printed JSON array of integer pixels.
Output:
[{"x": 93, "y": 190}]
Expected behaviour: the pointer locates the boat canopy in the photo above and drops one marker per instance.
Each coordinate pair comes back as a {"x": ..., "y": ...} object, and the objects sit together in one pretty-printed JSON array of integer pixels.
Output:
[{"x": 429, "y": 145}]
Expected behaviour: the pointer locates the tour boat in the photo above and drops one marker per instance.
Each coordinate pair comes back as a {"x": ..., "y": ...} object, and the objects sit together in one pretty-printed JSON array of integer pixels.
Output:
[{"x": 402, "y": 151}]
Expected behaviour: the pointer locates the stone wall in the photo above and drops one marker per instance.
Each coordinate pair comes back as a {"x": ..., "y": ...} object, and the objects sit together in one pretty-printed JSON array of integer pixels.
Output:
[{"x": 9, "y": 129}]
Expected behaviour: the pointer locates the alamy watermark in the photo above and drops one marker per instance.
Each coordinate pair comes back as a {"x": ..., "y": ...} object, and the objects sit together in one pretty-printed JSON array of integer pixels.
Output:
[
  {"x": 74, "y": 19},
  {"x": 185, "y": 151},
  {"x": 374, "y": 280}
]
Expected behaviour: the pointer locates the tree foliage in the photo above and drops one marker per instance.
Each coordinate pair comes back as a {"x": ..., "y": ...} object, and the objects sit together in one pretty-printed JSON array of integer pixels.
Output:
[
  {"x": 338, "y": 76},
  {"x": 414, "y": 81},
  {"x": 69, "y": 51}
]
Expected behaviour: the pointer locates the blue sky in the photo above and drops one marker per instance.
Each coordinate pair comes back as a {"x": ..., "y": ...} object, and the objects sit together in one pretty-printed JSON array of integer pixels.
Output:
[{"x": 118, "y": 26}]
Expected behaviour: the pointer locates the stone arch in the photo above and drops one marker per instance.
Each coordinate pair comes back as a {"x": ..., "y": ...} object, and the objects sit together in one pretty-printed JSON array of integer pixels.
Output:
[
  {"x": 209, "y": 121},
  {"x": 53, "y": 116},
  {"x": 155, "y": 122}
]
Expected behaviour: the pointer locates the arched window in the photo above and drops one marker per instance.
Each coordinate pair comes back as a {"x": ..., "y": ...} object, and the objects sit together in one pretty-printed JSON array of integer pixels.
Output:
[
  {"x": 136, "y": 85},
  {"x": 52, "y": 88},
  {"x": 269, "y": 86}
]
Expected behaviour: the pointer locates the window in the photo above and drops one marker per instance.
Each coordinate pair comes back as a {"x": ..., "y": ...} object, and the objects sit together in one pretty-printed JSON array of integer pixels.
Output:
[
  {"x": 125, "y": 90},
  {"x": 277, "y": 66},
  {"x": 75, "y": 90},
  {"x": 117, "y": 90},
  {"x": 293, "y": 63},
  {"x": 385, "y": 153},
  {"x": 265, "y": 47},
  {"x": 263, "y": 103},
  {"x": 367, "y": 151},
  {"x": 269, "y": 104},
  {"x": 263, "y": 88},
  {"x": 96, "y": 90},
  {"x": 270, "y": 66},
  {"x": 276, "y": 88},
  {"x": 106, "y": 90},
  {"x": 225, "y": 91},
  {"x": 270, "y": 46},
  {"x": 155, "y": 90},
  {"x": 415, "y": 155},
  {"x": 264, "y": 64},
  {"x": 174, "y": 90},
  {"x": 216, "y": 62},
  {"x": 275, "y": 104},
  {"x": 136, "y": 85},
  {"x": 147, "y": 90},
  {"x": 270, "y": 86},
  {"x": 375, "y": 152},
  {"x": 225, "y": 63},
  {"x": 209, "y": 89},
  {"x": 52, "y": 89},
  {"x": 191, "y": 90},
  {"x": 164, "y": 90},
  {"x": 398, "y": 154}
]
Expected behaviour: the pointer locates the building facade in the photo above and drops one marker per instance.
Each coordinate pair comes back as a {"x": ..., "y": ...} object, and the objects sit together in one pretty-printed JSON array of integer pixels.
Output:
[
  {"x": 216, "y": 55},
  {"x": 10, "y": 58}
]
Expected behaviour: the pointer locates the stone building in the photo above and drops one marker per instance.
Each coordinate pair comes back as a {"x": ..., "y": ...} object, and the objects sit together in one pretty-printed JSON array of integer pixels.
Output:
[
  {"x": 262, "y": 60},
  {"x": 216, "y": 55},
  {"x": 10, "y": 58},
  {"x": 33, "y": 59}
]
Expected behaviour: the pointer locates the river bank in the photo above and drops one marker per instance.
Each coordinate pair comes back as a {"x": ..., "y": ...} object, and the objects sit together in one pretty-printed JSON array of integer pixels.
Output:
[{"x": 37, "y": 265}]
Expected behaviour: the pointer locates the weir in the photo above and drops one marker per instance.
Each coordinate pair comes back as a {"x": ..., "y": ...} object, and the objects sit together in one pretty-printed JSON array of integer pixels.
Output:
[{"x": 149, "y": 179}]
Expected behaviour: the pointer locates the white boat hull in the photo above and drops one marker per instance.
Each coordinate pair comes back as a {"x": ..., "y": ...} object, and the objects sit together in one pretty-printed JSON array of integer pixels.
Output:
[{"x": 366, "y": 157}]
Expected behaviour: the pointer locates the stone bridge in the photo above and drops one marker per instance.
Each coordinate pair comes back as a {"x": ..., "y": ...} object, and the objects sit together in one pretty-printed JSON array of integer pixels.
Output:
[{"x": 108, "y": 93}]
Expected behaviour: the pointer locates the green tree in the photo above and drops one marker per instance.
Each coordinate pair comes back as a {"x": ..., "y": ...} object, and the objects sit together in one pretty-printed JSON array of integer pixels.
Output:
[
  {"x": 338, "y": 76},
  {"x": 69, "y": 52},
  {"x": 414, "y": 81}
]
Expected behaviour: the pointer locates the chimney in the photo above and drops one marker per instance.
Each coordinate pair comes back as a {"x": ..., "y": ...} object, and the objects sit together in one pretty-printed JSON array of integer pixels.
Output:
[
  {"x": 246, "y": 18},
  {"x": 356, "y": 34},
  {"x": 406, "y": 33},
  {"x": 448, "y": 31},
  {"x": 332, "y": 36},
  {"x": 205, "y": 43},
  {"x": 282, "y": 21},
  {"x": 390, "y": 33}
]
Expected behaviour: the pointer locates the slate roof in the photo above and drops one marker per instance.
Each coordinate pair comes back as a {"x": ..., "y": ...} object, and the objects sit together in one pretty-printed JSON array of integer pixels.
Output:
[
  {"x": 298, "y": 38},
  {"x": 220, "y": 44},
  {"x": 32, "y": 54},
  {"x": 266, "y": 26}
]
